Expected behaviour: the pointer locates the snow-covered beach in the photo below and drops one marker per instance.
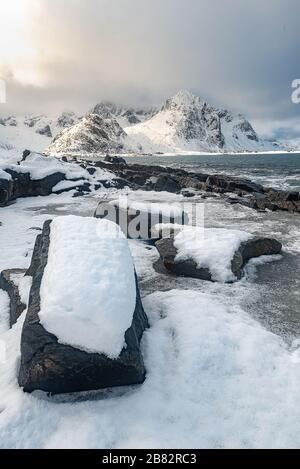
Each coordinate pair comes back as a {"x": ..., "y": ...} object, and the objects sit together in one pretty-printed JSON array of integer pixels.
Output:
[{"x": 222, "y": 359}]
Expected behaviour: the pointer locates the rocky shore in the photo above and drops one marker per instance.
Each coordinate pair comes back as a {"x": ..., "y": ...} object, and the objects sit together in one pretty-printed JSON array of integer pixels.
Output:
[{"x": 19, "y": 183}]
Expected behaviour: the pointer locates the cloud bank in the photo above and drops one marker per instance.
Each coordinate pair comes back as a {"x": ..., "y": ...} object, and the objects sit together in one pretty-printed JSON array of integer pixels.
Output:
[{"x": 69, "y": 54}]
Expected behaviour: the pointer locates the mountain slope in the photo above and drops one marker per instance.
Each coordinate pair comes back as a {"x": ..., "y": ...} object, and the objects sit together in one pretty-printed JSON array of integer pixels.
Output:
[
  {"x": 31, "y": 131},
  {"x": 92, "y": 134},
  {"x": 186, "y": 123},
  {"x": 125, "y": 116}
]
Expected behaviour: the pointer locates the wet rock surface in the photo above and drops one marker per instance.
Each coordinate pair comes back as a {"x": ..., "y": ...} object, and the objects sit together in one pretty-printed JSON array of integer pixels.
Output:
[
  {"x": 157, "y": 178},
  {"x": 175, "y": 180}
]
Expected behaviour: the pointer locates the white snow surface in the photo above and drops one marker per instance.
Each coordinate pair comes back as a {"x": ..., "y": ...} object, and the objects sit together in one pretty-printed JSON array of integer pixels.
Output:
[
  {"x": 212, "y": 248},
  {"x": 215, "y": 377},
  {"x": 4, "y": 175},
  {"x": 40, "y": 166},
  {"x": 88, "y": 291},
  {"x": 22, "y": 132},
  {"x": 186, "y": 123},
  {"x": 65, "y": 185}
]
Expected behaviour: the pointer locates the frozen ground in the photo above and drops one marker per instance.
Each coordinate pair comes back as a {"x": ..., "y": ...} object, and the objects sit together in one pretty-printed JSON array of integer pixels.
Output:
[{"x": 223, "y": 367}]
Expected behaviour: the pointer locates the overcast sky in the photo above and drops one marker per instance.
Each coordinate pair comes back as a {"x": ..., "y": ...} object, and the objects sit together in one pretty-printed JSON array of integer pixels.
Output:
[{"x": 70, "y": 54}]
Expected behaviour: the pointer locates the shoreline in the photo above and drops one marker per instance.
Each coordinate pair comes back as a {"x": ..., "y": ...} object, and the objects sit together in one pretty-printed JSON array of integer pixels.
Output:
[{"x": 90, "y": 156}]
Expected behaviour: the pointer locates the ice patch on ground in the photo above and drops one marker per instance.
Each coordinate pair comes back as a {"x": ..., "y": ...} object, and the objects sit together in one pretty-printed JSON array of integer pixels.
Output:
[{"x": 88, "y": 291}]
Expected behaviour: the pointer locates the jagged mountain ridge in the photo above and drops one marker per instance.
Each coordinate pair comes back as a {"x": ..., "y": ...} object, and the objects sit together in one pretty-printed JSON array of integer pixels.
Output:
[
  {"x": 92, "y": 134},
  {"x": 125, "y": 116},
  {"x": 187, "y": 123},
  {"x": 184, "y": 123}
]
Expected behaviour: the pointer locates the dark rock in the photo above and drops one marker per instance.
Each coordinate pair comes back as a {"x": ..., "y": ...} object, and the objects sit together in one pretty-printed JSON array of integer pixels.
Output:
[
  {"x": 56, "y": 368},
  {"x": 45, "y": 131},
  {"x": 91, "y": 171},
  {"x": 8, "y": 284},
  {"x": 35, "y": 259},
  {"x": 187, "y": 268},
  {"x": 166, "y": 183},
  {"x": 188, "y": 193},
  {"x": 252, "y": 248},
  {"x": 261, "y": 202},
  {"x": 26, "y": 153},
  {"x": 233, "y": 184},
  {"x": 6, "y": 192},
  {"x": 285, "y": 200},
  {"x": 115, "y": 159},
  {"x": 84, "y": 188}
]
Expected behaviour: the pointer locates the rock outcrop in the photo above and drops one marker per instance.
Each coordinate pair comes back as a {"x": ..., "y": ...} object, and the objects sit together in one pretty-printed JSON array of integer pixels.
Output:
[
  {"x": 250, "y": 249},
  {"x": 242, "y": 191},
  {"x": 37, "y": 175},
  {"x": 53, "y": 367},
  {"x": 9, "y": 284}
]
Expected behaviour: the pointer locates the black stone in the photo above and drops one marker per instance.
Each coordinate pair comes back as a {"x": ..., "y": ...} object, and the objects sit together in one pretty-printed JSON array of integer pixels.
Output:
[
  {"x": 56, "y": 368},
  {"x": 252, "y": 248},
  {"x": 7, "y": 284}
]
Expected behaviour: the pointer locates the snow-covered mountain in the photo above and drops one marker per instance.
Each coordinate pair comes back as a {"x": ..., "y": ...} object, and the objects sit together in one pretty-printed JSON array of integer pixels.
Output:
[
  {"x": 187, "y": 123},
  {"x": 93, "y": 134},
  {"x": 32, "y": 131},
  {"x": 126, "y": 116}
]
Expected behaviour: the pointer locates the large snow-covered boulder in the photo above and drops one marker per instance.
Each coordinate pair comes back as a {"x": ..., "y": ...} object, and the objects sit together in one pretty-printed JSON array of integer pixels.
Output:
[
  {"x": 85, "y": 317},
  {"x": 138, "y": 219},
  {"x": 212, "y": 254},
  {"x": 40, "y": 175}
]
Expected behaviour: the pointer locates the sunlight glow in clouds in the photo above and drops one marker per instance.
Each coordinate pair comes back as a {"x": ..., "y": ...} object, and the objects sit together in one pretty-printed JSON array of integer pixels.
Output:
[
  {"x": 18, "y": 56},
  {"x": 70, "y": 54}
]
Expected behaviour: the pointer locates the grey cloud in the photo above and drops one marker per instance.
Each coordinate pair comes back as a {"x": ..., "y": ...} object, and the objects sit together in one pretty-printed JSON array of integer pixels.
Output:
[{"x": 237, "y": 54}]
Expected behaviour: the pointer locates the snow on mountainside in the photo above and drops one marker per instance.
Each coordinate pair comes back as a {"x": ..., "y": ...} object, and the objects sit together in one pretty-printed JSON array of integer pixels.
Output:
[
  {"x": 92, "y": 134},
  {"x": 126, "y": 116},
  {"x": 31, "y": 131},
  {"x": 187, "y": 123}
]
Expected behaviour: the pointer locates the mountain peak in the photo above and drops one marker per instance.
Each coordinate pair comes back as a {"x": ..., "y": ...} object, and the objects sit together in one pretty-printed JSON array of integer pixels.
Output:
[{"x": 183, "y": 98}]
